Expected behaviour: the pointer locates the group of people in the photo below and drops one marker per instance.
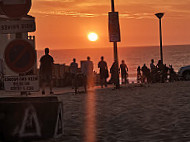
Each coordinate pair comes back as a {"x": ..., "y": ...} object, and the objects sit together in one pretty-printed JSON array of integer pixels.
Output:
[
  {"x": 87, "y": 72},
  {"x": 156, "y": 73}
]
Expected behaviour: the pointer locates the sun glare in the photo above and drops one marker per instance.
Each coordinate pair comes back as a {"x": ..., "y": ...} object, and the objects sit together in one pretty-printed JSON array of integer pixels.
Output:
[{"x": 92, "y": 36}]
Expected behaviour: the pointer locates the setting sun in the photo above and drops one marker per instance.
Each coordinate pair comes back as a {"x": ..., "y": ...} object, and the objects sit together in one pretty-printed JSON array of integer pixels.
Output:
[{"x": 92, "y": 36}]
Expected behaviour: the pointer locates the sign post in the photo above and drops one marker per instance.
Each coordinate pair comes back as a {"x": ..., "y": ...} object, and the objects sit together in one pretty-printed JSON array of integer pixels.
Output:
[{"x": 114, "y": 35}]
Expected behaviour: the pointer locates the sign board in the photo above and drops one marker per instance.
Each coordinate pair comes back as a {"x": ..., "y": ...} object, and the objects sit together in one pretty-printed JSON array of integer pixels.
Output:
[
  {"x": 114, "y": 29},
  {"x": 17, "y": 26},
  {"x": 20, "y": 56},
  {"x": 28, "y": 83},
  {"x": 15, "y": 8}
]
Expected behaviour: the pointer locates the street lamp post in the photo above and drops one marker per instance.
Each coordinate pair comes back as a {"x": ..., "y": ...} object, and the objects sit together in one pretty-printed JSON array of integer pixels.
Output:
[{"x": 159, "y": 16}]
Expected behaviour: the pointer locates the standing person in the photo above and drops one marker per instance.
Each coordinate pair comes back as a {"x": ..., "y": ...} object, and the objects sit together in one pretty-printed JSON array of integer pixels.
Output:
[
  {"x": 124, "y": 70},
  {"x": 152, "y": 66},
  {"x": 46, "y": 67},
  {"x": 73, "y": 70},
  {"x": 139, "y": 74},
  {"x": 153, "y": 71},
  {"x": 103, "y": 72},
  {"x": 87, "y": 70},
  {"x": 114, "y": 74},
  {"x": 145, "y": 74}
]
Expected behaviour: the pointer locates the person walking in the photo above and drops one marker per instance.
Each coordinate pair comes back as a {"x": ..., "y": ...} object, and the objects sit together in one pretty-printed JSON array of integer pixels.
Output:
[
  {"x": 46, "y": 67},
  {"x": 73, "y": 71},
  {"x": 87, "y": 71},
  {"x": 103, "y": 72},
  {"x": 124, "y": 70}
]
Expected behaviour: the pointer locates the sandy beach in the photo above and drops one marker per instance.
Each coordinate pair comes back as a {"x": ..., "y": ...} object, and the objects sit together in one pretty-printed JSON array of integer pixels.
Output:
[{"x": 135, "y": 113}]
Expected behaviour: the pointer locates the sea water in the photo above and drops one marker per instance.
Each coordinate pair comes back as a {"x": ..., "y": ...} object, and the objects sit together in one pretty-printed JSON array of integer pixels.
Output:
[{"x": 176, "y": 55}]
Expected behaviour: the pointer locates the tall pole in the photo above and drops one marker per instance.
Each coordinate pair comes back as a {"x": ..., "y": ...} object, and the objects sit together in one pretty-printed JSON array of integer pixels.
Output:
[
  {"x": 161, "y": 53},
  {"x": 159, "y": 16},
  {"x": 115, "y": 53}
]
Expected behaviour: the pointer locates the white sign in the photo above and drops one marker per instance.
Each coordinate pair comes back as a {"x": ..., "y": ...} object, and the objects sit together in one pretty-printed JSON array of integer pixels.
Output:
[
  {"x": 11, "y": 2},
  {"x": 17, "y": 26},
  {"x": 28, "y": 83}
]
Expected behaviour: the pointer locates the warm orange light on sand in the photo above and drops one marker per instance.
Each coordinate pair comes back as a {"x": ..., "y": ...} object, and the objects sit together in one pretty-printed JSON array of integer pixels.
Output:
[{"x": 92, "y": 36}]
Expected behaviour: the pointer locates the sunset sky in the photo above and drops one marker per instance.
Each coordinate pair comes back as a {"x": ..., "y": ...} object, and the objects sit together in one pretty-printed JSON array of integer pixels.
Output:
[{"x": 64, "y": 24}]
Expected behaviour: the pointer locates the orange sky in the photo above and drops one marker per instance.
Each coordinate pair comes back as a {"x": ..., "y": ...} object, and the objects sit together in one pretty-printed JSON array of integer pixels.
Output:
[{"x": 64, "y": 24}]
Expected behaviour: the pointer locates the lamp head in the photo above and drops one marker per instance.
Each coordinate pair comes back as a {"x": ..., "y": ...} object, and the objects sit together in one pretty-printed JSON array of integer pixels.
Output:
[{"x": 159, "y": 15}]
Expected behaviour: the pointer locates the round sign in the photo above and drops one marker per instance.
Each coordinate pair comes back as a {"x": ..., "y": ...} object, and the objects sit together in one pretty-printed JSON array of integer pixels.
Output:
[
  {"x": 15, "y": 8},
  {"x": 20, "y": 56}
]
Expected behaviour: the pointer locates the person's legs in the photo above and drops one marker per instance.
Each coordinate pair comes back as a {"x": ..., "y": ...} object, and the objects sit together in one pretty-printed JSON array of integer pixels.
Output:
[
  {"x": 50, "y": 83},
  {"x": 43, "y": 87},
  {"x": 105, "y": 82},
  {"x": 43, "y": 83},
  {"x": 101, "y": 80},
  {"x": 85, "y": 83},
  {"x": 51, "y": 87}
]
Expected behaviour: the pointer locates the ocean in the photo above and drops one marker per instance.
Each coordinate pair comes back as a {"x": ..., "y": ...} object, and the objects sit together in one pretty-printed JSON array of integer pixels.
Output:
[{"x": 176, "y": 55}]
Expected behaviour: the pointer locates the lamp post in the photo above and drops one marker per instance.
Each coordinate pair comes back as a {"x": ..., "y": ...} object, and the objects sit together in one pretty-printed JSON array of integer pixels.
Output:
[
  {"x": 159, "y": 16},
  {"x": 114, "y": 32}
]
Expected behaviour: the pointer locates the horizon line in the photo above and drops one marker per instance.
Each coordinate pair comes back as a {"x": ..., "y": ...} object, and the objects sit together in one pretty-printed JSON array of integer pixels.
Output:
[{"x": 132, "y": 46}]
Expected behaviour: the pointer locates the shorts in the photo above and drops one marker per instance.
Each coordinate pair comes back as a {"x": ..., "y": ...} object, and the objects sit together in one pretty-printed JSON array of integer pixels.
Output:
[{"x": 46, "y": 78}]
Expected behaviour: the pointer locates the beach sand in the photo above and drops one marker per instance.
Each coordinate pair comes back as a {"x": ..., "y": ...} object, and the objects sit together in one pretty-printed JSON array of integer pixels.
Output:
[{"x": 135, "y": 113}]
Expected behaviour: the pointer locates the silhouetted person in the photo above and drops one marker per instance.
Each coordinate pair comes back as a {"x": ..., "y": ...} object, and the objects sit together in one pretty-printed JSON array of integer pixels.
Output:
[
  {"x": 152, "y": 66},
  {"x": 160, "y": 65},
  {"x": 139, "y": 74},
  {"x": 160, "y": 68},
  {"x": 153, "y": 71},
  {"x": 46, "y": 67},
  {"x": 172, "y": 74},
  {"x": 73, "y": 70},
  {"x": 165, "y": 73},
  {"x": 114, "y": 74},
  {"x": 88, "y": 73},
  {"x": 145, "y": 74},
  {"x": 103, "y": 72},
  {"x": 124, "y": 70}
]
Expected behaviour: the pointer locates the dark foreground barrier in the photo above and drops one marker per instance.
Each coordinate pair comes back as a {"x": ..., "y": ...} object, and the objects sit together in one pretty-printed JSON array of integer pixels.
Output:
[{"x": 30, "y": 118}]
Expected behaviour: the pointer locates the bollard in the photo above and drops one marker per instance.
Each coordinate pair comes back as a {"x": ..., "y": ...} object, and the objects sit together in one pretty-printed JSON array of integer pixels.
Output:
[{"x": 30, "y": 118}]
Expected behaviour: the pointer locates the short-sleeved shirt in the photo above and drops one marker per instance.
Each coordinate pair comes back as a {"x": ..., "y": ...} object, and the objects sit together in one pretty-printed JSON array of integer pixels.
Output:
[
  {"x": 152, "y": 66},
  {"x": 88, "y": 67},
  {"x": 123, "y": 68},
  {"x": 46, "y": 64},
  {"x": 103, "y": 66},
  {"x": 73, "y": 68}
]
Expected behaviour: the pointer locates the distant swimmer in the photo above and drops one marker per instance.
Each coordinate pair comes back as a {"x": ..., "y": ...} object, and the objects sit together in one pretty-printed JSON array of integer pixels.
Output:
[
  {"x": 103, "y": 72},
  {"x": 46, "y": 67}
]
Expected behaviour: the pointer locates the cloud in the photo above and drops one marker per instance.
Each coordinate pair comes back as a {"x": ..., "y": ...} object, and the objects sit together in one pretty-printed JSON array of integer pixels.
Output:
[{"x": 137, "y": 9}]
